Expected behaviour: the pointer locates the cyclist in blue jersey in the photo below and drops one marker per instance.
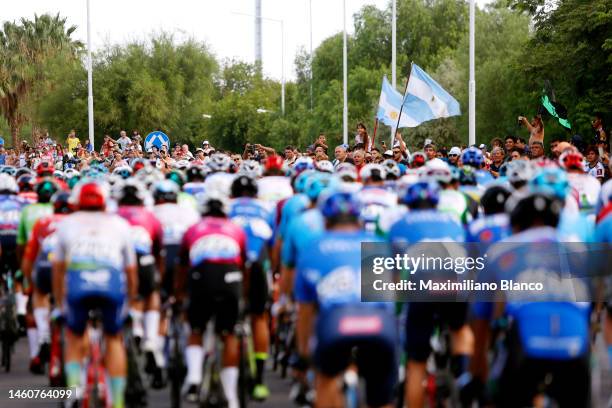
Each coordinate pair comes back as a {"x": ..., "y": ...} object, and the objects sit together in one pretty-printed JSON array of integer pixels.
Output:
[
  {"x": 10, "y": 210},
  {"x": 547, "y": 341},
  {"x": 257, "y": 222},
  {"x": 329, "y": 296},
  {"x": 425, "y": 223},
  {"x": 495, "y": 225},
  {"x": 473, "y": 157},
  {"x": 603, "y": 234},
  {"x": 94, "y": 268}
]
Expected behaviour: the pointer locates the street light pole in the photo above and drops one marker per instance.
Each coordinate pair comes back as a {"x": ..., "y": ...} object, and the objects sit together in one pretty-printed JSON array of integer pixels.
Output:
[
  {"x": 393, "y": 55},
  {"x": 472, "y": 83},
  {"x": 344, "y": 78},
  {"x": 311, "y": 76},
  {"x": 90, "y": 112}
]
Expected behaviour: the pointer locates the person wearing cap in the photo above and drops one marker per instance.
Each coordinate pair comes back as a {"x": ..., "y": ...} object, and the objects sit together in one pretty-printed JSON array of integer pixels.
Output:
[
  {"x": 206, "y": 147},
  {"x": 453, "y": 156}
]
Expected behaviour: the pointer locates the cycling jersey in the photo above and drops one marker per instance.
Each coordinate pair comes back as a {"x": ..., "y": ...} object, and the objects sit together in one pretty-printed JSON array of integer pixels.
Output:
[
  {"x": 97, "y": 249},
  {"x": 175, "y": 219},
  {"x": 455, "y": 203},
  {"x": 219, "y": 181},
  {"x": 294, "y": 205},
  {"x": 597, "y": 171},
  {"x": 256, "y": 221},
  {"x": 213, "y": 240},
  {"x": 187, "y": 200},
  {"x": 585, "y": 192},
  {"x": 575, "y": 226},
  {"x": 30, "y": 214},
  {"x": 10, "y": 210},
  {"x": 301, "y": 229},
  {"x": 272, "y": 189},
  {"x": 375, "y": 201},
  {"x": 194, "y": 188},
  {"x": 146, "y": 232},
  {"x": 603, "y": 231},
  {"x": 483, "y": 177},
  {"x": 489, "y": 229},
  {"x": 29, "y": 196},
  {"x": 427, "y": 225}
]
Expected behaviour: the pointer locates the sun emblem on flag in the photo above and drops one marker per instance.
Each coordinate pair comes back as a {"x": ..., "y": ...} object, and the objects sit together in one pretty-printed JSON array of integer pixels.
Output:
[{"x": 394, "y": 114}]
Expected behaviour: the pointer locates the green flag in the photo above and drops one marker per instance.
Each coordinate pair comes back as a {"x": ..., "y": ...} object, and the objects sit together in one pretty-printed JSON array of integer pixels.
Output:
[{"x": 557, "y": 110}]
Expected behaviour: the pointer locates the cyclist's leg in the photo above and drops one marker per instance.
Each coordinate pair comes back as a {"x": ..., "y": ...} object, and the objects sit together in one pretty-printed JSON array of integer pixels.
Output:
[
  {"x": 115, "y": 359},
  {"x": 462, "y": 336},
  {"x": 419, "y": 328},
  {"x": 199, "y": 312},
  {"x": 74, "y": 349},
  {"x": 607, "y": 330},
  {"x": 258, "y": 296},
  {"x": 41, "y": 288},
  {"x": 571, "y": 384}
]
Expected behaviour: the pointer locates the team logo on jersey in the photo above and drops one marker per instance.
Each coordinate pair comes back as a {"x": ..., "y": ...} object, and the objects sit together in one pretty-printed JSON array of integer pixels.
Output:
[
  {"x": 214, "y": 246},
  {"x": 340, "y": 282},
  {"x": 141, "y": 239}
]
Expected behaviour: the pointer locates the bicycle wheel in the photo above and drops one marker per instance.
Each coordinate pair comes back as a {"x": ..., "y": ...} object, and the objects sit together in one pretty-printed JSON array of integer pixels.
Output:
[
  {"x": 176, "y": 371},
  {"x": 243, "y": 373},
  {"x": 6, "y": 353}
]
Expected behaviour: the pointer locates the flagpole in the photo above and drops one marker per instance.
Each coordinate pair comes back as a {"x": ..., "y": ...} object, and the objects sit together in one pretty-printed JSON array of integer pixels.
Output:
[
  {"x": 374, "y": 135},
  {"x": 90, "y": 113},
  {"x": 393, "y": 49},
  {"x": 401, "y": 108},
  {"x": 472, "y": 83},
  {"x": 344, "y": 78}
]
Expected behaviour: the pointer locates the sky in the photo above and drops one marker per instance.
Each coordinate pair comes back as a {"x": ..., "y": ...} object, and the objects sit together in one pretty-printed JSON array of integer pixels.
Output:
[{"x": 228, "y": 34}]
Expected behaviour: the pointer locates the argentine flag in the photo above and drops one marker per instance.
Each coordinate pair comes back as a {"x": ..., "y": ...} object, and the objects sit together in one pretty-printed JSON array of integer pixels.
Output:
[
  {"x": 389, "y": 106},
  {"x": 425, "y": 99}
]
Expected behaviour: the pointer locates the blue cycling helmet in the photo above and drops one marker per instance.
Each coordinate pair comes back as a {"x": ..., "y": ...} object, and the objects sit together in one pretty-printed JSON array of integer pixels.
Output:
[
  {"x": 299, "y": 184},
  {"x": 422, "y": 191},
  {"x": 302, "y": 164},
  {"x": 315, "y": 184},
  {"x": 472, "y": 156},
  {"x": 552, "y": 181},
  {"x": 339, "y": 204}
]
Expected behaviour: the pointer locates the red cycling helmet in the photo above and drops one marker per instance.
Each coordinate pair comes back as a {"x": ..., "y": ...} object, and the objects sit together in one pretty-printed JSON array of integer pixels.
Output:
[
  {"x": 91, "y": 196},
  {"x": 44, "y": 169},
  {"x": 572, "y": 160},
  {"x": 273, "y": 162}
]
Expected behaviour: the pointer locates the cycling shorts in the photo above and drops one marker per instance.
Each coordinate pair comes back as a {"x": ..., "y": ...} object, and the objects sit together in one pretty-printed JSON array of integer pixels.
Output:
[
  {"x": 113, "y": 308},
  {"x": 8, "y": 258},
  {"x": 147, "y": 275},
  {"x": 421, "y": 321},
  {"x": 523, "y": 377},
  {"x": 214, "y": 291},
  {"x": 258, "y": 289},
  {"x": 42, "y": 279},
  {"x": 369, "y": 331}
]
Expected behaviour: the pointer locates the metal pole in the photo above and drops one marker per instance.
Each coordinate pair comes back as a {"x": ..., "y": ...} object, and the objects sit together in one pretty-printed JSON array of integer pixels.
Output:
[
  {"x": 345, "y": 78},
  {"x": 258, "y": 41},
  {"x": 311, "y": 76},
  {"x": 393, "y": 55},
  {"x": 282, "y": 67},
  {"x": 472, "y": 83},
  {"x": 89, "y": 80}
]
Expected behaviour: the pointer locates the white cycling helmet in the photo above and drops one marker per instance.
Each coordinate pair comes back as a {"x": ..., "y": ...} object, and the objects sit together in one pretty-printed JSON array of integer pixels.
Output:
[
  {"x": 213, "y": 200},
  {"x": 219, "y": 162},
  {"x": 520, "y": 171},
  {"x": 324, "y": 166},
  {"x": 8, "y": 185},
  {"x": 347, "y": 172},
  {"x": 250, "y": 168},
  {"x": 70, "y": 173},
  {"x": 392, "y": 168},
  {"x": 373, "y": 172},
  {"x": 149, "y": 175},
  {"x": 438, "y": 170},
  {"x": 181, "y": 165},
  {"x": 132, "y": 190}
]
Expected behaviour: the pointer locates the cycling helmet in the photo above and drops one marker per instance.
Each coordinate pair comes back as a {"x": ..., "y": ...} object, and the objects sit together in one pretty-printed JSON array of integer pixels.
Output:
[
  {"x": 99, "y": 167},
  {"x": 59, "y": 175},
  {"x": 417, "y": 159},
  {"x": 177, "y": 176},
  {"x": 195, "y": 173},
  {"x": 140, "y": 164},
  {"x": 315, "y": 184},
  {"x": 422, "y": 192},
  {"x": 26, "y": 182},
  {"x": 219, "y": 163},
  {"x": 45, "y": 190},
  {"x": 324, "y": 166},
  {"x": 437, "y": 170},
  {"x": 181, "y": 165},
  {"x": 165, "y": 191},
  {"x": 73, "y": 179},
  {"x": 71, "y": 173},
  {"x": 44, "y": 169},
  {"x": 213, "y": 203},
  {"x": 303, "y": 163},
  {"x": 130, "y": 192},
  {"x": 244, "y": 186},
  {"x": 10, "y": 170},
  {"x": 23, "y": 171},
  {"x": 273, "y": 163},
  {"x": 250, "y": 168},
  {"x": 373, "y": 172},
  {"x": 61, "y": 203},
  {"x": 571, "y": 160},
  {"x": 339, "y": 204},
  {"x": 519, "y": 172},
  {"x": 299, "y": 184},
  {"x": 347, "y": 172},
  {"x": 552, "y": 181},
  {"x": 149, "y": 176},
  {"x": 123, "y": 171},
  {"x": 494, "y": 199},
  {"x": 472, "y": 156},
  {"x": 535, "y": 206},
  {"x": 8, "y": 185},
  {"x": 90, "y": 195},
  {"x": 392, "y": 169}
]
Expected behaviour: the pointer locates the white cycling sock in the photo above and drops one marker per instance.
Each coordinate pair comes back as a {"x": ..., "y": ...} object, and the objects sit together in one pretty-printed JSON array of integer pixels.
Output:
[
  {"x": 194, "y": 356},
  {"x": 151, "y": 326},
  {"x": 137, "y": 328},
  {"x": 229, "y": 380},
  {"x": 21, "y": 301},
  {"x": 41, "y": 316},
  {"x": 33, "y": 341}
]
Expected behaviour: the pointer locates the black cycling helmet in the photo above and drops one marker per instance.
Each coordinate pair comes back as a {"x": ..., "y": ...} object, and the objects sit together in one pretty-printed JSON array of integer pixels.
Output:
[
  {"x": 24, "y": 170},
  {"x": 45, "y": 190},
  {"x": 26, "y": 182},
  {"x": 244, "y": 186},
  {"x": 61, "y": 203},
  {"x": 494, "y": 200},
  {"x": 535, "y": 209},
  {"x": 195, "y": 173}
]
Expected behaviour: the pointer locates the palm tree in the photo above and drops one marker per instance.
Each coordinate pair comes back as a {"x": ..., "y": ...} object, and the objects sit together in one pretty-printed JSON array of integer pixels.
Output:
[{"x": 24, "y": 49}]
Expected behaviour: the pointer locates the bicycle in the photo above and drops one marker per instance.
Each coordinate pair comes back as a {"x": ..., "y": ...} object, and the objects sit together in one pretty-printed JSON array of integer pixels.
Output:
[
  {"x": 136, "y": 393},
  {"x": 175, "y": 343},
  {"x": 441, "y": 387},
  {"x": 96, "y": 394}
]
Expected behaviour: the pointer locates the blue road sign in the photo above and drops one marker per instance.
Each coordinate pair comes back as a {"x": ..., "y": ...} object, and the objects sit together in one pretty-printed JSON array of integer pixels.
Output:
[
  {"x": 157, "y": 139},
  {"x": 1, "y": 141}
]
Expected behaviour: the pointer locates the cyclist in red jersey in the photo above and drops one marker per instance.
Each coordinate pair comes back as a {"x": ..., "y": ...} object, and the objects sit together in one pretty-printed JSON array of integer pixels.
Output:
[{"x": 212, "y": 258}]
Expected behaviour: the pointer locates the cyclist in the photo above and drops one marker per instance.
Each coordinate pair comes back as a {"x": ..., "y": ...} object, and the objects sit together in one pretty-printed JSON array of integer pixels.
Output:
[
  {"x": 212, "y": 257},
  {"x": 184, "y": 199},
  {"x": 328, "y": 293},
  {"x": 36, "y": 267},
  {"x": 147, "y": 237},
  {"x": 473, "y": 157},
  {"x": 26, "y": 184},
  {"x": 451, "y": 201},
  {"x": 258, "y": 223},
  {"x": 519, "y": 172},
  {"x": 425, "y": 223},
  {"x": 274, "y": 186},
  {"x": 586, "y": 188},
  {"x": 219, "y": 178},
  {"x": 375, "y": 197},
  {"x": 10, "y": 209},
  {"x": 94, "y": 267},
  {"x": 195, "y": 180},
  {"x": 495, "y": 225}
]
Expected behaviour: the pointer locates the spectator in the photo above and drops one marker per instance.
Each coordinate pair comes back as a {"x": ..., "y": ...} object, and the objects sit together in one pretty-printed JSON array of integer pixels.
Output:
[
  {"x": 340, "y": 154},
  {"x": 537, "y": 150},
  {"x": 430, "y": 151},
  {"x": 72, "y": 141},
  {"x": 593, "y": 165},
  {"x": 290, "y": 157},
  {"x": 509, "y": 143},
  {"x": 199, "y": 156},
  {"x": 388, "y": 154},
  {"x": 136, "y": 143},
  {"x": 496, "y": 142},
  {"x": 123, "y": 141},
  {"x": 578, "y": 142},
  {"x": 398, "y": 156},
  {"x": 359, "y": 159},
  {"x": 320, "y": 153},
  {"x": 136, "y": 134},
  {"x": 47, "y": 140},
  {"x": 375, "y": 155},
  {"x": 185, "y": 153},
  {"x": 321, "y": 141},
  {"x": 554, "y": 143},
  {"x": 520, "y": 143},
  {"x": 497, "y": 157},
  {"x": 518, "y": 154},
  {"x": 453, "y": 156},
  {"x": 3, "y": 155},
  {"x": 362, "y": 136},
  {"x": 598, "y": 126},
  {"x": 535, "y": 128},
  {"x": 207, "y": 147},
  {"x": 107, "y": 146}
]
